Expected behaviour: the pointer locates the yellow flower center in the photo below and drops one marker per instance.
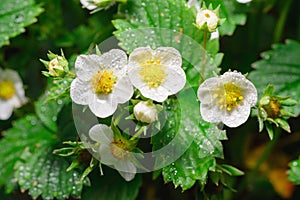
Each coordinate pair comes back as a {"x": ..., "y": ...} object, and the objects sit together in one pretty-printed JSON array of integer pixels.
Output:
[
  {"x": 7, "y": 90},
  {"x": 103, "y": 82},
  {"x": 153, "y": 73},
  {"x": 228, "y": 96},
  {"x": 119, "y": 150}
]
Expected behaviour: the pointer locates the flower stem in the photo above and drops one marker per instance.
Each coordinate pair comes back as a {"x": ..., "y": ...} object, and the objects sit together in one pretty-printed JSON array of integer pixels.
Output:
[
  {"x": 138, "y": 133},
  {"x": 204, "y": 56}
]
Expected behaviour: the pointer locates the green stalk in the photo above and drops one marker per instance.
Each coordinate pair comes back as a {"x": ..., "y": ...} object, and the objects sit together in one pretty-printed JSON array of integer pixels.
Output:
[
  {"x": 204, "y": 56},
  {"x": 281, "y": 22}
]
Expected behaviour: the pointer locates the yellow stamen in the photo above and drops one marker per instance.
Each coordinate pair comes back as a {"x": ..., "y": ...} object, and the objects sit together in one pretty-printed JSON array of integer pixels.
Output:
[
  {"x": 7, "y": 90},
  {"x": 103, "y": 82},
  {"x": 228, "y": 96},
  {"x": 152, "y": 73}
]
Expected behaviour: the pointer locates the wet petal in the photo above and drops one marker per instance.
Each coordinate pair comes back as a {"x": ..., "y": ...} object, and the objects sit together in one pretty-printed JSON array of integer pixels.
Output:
[
  {"x": 211, "y": 112},
  {"x": 86, "y": 66},
  {"x": 158, "y": 94},
  {"x": 175, "y": 80},
  {"x": 237, "y": 116},
  {"x": 102, "y": 105},
  {"x": 207, "y": 89},
  {"x": 168, "y": 56},
  {"x": 123, "y": 90},
  {"x": 135, "y": 78},
  {"x": 81, "y": 92},
  {"x": 115, "y": 60},
  {"x": 126, "y": 168},
  {"x": 139, "y": 56}
]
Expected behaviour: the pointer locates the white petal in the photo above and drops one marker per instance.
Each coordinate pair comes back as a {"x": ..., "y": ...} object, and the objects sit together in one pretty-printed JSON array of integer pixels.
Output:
[
  {"x": 175, "y": 80},
  {"x": 140, "y": 55},
  {"x": 106, "y": 155},
  {"x": 12, "y": 76},
  {"x": 5, "y": 110},
  {"x": 86, "y": 66},
  {"x": 115, "y": 60},
  {"x": 127, "y": 175},
  {"x": 81, "y": 92},
  {"x": 250, "y": 93},
  {"x": 87, "y": 5},
  {"x": 102, "y": 105},
  {"x": 211, "y": 112},
  {"x": 168, "y": 56},
  {"x": 20, "y": 93},
  {"x": 207, "y": 89},
  {"x": 237, "y": 116},
  {"x": 126, "y": 168},
  {"x": 123, "y": 90},
  {"x": 158, "y": 94},
  {"x": 135, "y": 78},
  {"x": 14, "y": 102},
  {"x": 101, "y": 133}
]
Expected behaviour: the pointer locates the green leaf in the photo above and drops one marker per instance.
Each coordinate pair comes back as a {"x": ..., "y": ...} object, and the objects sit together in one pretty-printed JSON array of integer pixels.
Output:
[
  {"x": 281, "y": 68},
  {"x": 27, "y": 132},
  {"x": 169, "y": 23},
  {"x": 113, "y": 187},
  {"x": 48, "y": 111},
  {"x": 42, "y": 173},
  {"x": 294, "y": 172},
  {"x": 14, "y": 16},
  {"x": 230, "y": 11},
  {"x": 199, "y": 141}
]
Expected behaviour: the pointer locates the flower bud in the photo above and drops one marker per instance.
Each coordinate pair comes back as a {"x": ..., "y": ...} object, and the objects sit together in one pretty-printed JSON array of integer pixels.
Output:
[
  {"x": 58, "y": 66},
  {"x": 145, "y": 112},
  {"x": 208, "y": 19}
]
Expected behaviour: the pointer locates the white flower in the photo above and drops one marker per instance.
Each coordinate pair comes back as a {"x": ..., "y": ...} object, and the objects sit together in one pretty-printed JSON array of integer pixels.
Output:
[
  {"x": 101, "y": 82},
  {"x": 113, "y": 152},
  {"x": 12, "y": 94},
  {"x": 145, "y": 112},
  {"x": 243, "y": 1},
  {"x": 156, "y": 73},
  {"x": 207, "y": 18},
  {"x": 89, "y": 4},
  {"x": 227, "y": 99}
]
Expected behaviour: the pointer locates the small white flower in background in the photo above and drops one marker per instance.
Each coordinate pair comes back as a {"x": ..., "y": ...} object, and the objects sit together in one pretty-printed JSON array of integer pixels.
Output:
[
  {"x": 113, "y": 152},
  {"x": 227, "y": 99},
  {"x": 101, "y": 82},
  {"x": 12, "y": 94},
  {"x": 156, "y": 73},
  {"x": 243, "y": 1},
  {"x": 145, "y": 111}
]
